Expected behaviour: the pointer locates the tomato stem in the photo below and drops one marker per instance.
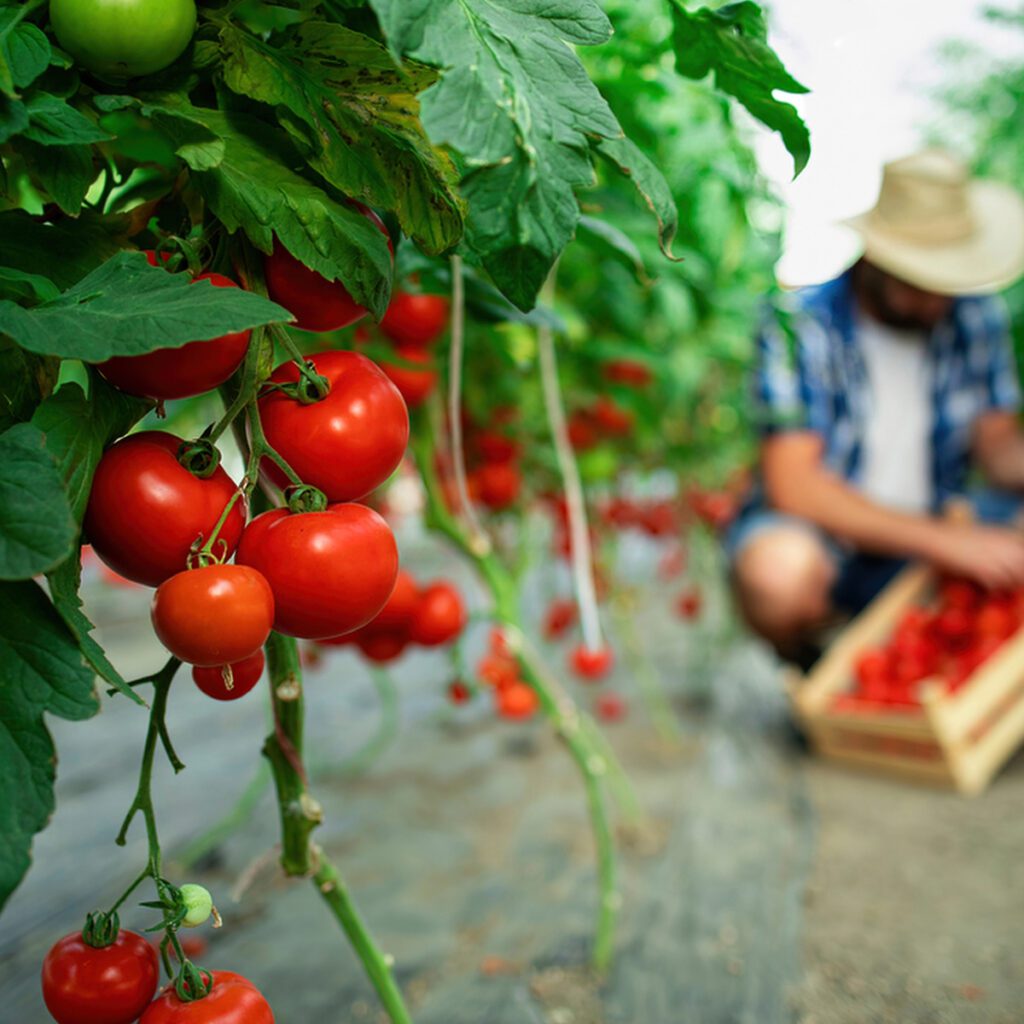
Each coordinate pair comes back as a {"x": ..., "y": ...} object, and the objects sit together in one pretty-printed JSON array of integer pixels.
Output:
[{"x": 313, "y": 387}]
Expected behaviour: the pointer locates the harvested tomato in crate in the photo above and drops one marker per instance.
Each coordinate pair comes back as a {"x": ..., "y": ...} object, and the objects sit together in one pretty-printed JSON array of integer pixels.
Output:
[{"x": 927, "y": 683}]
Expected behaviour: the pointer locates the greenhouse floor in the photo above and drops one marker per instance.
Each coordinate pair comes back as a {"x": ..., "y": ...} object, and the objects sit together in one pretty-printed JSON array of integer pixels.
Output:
[{"x": 763, "y": 887}]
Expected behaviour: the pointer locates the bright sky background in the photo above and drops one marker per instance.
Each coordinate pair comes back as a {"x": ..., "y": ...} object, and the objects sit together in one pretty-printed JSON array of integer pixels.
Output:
[{"x": 869, "y": 64}]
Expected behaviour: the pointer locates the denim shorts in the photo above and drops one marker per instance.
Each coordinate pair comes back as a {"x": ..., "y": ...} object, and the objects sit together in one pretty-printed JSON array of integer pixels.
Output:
[{"x": 859, "y": 575}]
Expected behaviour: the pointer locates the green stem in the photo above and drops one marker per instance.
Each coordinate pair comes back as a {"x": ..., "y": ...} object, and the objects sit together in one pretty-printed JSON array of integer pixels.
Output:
[{"x": 300, "y": 815}]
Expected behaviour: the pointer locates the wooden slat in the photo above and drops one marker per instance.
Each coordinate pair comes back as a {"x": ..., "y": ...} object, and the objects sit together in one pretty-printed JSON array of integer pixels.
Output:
[
  {"x": 975, "y": 766},
  {"x": 936, "y": 773}
]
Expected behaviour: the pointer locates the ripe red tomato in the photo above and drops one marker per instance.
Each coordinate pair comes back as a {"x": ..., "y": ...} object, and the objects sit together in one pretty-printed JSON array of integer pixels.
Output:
[
  {"x": 627, "y": 371},
  {"x": 955, "y": 625},
  {"x": 610, "y": 707},
  {"x": 493, "y": 446},
  {"x": 517, "y": 701},
  {"x": 181, "y": 372},
  {"x": 959, "y": 593},
  {"x": 689, "y": 604},
  {"x": 439, "y": 617},
  {"x": 145, "y": 509},
  {"x": 220, "y": 684},
  {"x": 416, "y": 321},
  {"x": 591, "y": 665},
  {"x": 458, "y": 692},
  {"x": 995, "y": 619},
  {"x": 231, "y": 1000},
  {"x": 316, "y": 303},
  {"x": 610, "y": 418},
  {"x": 215, "y": 615},
  {"x": 416, "y": 386},
  {"x": 331, "y": 572},
  {"x": 871, "y": 668},
  {"x": 349, "y": 442},
  {"x": 400, "y": 606},
  {"x": 498, "y": 670},
  {"x": 110, "y": 985},
  {"x": 381, "y": 645},
  {"x": 582, "y": 435},
  {"x": 498, "y": 484},
  {"x": 559, "y": 618}
]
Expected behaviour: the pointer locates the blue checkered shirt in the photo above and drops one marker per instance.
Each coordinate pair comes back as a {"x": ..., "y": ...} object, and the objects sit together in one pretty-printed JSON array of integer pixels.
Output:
[{"x": 823, "y": 385}]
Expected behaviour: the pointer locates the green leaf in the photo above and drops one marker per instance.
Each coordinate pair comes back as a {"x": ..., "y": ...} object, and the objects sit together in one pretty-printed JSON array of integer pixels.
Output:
[
  {"x": 732, "y": 43},
  {"x": 515, "y": 102},
  {"x": 41, "y": 670},
  {"x": 65, "y": 251},
  {"x": 27, "y": 380},
  {"x": 618, "y": 243},
  {"x": 64, "y": 582},
  {"x": 24, "y": 52},
  {"x": 77, "y": 430},
  {"x": 37, "y": 530},
  {"x": 29, "y": 288},
  {"x": 255, "y": 190},
  {"x": 356, "y": 116},
  {"x": 54, "y": 122},
  {"x": 13, "y": 118},
  {"x": 64, "y": 172},
  {"x": 127, "y": 308}
]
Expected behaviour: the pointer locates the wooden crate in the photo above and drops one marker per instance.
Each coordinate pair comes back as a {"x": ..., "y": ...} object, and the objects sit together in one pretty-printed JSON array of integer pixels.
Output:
[{"x": 959, "y": 740}]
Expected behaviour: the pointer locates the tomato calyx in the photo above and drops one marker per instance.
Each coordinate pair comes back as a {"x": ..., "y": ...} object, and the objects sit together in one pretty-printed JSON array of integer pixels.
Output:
[
  {"x": 310, "y": 388},
  {"x": 193, "y": 983},
  {"x": 200, "y": 457},
  {"x": 101, "y": 929},
  {"x": 305, "y": 498}
]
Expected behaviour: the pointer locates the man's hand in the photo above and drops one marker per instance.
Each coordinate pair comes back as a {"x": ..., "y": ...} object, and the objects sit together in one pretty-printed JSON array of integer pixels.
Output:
[{"x": 990, "y": 555}]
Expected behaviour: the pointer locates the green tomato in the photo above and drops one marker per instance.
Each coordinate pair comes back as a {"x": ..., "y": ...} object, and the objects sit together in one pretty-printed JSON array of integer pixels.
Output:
[
  {"x": 198, "y": 904},
  {"x": 123, "y": 38}
]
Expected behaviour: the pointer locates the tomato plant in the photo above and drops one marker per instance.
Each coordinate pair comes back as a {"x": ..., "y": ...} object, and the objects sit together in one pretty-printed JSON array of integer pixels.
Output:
[{"x": 232, "y": 999}]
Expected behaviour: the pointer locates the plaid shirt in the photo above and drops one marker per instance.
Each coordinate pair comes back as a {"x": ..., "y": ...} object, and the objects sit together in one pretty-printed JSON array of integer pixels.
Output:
[{"x": 825, "y": 387}]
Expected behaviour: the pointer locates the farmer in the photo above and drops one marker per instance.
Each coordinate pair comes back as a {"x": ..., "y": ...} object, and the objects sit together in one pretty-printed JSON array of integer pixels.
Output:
[{"x": 898, "y": 386}]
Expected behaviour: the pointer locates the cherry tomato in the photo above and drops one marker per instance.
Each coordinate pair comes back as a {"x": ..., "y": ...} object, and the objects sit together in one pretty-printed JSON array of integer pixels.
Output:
[
  {"x": 231, "y": 1000},
  {"x": 559, "y": 618},
  {"x": 331, "y": 572},
  {"x": 439, "y": 617},
  {"x": 959, "y": 593},
  {"x": 627, "y": 371},
  {"x": 689, "y": 604},
  {"x": 381, "y": 645},
  {"x": 220, "y": 684},
  {"x": 123, "y": 38},
  {"x": 995, "y": 620},
  {"x": 416, "y": 321},
  {"x": 610, "y": 418},
  {"x": 517, "y": 701},
  {"x": 459, "y": 692},
  {"x": 955, "y": 625},
  {"x": 416, "y": 386},
  {"x": 498, "y": 670},
  {"x": 181, "y": 372},
  {"x": 349, "y": 442},
  {"x": 400, "y": 606},
  {"x": 871, "y": 668},
  {"x": 591, "y": 665},
  {"x": 499, "y": 484},
  {"x": 316, "y": 303},
  {"x": 145, "y": 509},
  {"x": 494, "y": 446},
  {"x": 610, "y": 707},
  {"x": 582, "y": 435},
  {"x": 109, "y": 985}
]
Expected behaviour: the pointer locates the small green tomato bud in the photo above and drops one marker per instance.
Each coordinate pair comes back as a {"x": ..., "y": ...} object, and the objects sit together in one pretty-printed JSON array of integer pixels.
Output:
[{"x": 198, "y": 904}]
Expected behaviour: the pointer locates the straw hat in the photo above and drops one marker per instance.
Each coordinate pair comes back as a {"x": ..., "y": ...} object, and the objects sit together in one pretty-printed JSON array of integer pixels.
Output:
[{"x": 936, "y": 228}]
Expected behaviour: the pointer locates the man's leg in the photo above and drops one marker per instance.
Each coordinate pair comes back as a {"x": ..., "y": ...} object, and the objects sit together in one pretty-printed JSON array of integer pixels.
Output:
[{"x": 783, "y": 576}]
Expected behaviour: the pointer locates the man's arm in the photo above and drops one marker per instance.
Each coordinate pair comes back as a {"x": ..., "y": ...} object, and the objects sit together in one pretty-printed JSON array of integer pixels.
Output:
[
  {"x": 998, "y": 448},
  {"x": 798, "y": 482}
]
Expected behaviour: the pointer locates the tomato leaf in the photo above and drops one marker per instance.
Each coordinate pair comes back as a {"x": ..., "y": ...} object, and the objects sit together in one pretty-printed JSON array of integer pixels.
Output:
[
  {"x": 65, "y": 172},
  {"x": 54, "y": 122},
  {"x": 24, "y": 52},
  {"x": 41, "y": 670},
  {"x": 255, "y": 190},
  {"x": 126, "y": 307},
  {"x": 37, "y": 530},
  {"x": 13, "y": 118},
  {"x": 514, "y": 101},
  {"x": 27, "y": 380},
  {"x": 732, "y": 43},
  {"x": 27, "y": 288},
  {"x": 354, "y": 113}
]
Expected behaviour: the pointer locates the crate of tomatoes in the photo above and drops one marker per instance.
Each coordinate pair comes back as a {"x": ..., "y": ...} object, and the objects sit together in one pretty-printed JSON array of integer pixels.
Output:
[{"x": 926, "y": 684}]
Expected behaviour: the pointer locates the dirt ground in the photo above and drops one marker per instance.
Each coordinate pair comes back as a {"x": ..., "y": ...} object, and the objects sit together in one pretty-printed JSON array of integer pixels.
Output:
[{"x": 763, "y": 887}]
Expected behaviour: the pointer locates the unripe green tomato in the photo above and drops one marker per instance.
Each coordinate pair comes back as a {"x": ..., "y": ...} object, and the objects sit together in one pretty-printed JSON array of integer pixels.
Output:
[
  {"x": 123, "y": 38},
  {"x": 198, "y": 904}
]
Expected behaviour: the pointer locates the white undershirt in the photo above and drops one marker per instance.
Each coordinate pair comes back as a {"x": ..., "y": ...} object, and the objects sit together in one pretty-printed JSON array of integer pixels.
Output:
[{"x": 895, "y": 460}]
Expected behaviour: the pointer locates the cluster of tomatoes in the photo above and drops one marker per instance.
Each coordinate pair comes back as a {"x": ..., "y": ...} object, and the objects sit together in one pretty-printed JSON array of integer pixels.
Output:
[
  {"x": 603, "y": 419},
  {"x": 946, "y": 641},
  {"x": 494, "y": 478},
  {"x": 514, "y": 698},
  {"x": 431, "y": 616}
]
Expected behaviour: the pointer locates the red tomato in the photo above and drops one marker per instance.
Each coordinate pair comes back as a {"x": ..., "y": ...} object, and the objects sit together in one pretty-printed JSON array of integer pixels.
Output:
[
  {"x": 381, "y": 645},
  {"x": 498, "y": 642},
  {"x": 627, "y": 371},
  {"x": 494, "y": 446},
  {"x": 871, "y": 668},
  {"x": 498, "y": 670},
  {"x": 714, "y": 508},
  {"x": 331, "y": 572},
  {"x": 145, "y": 509},
  {"x": 458, "y": 692},
  {"x": 914, "y": 623},
  {"x": 689, "y": 603},
  {"x": 559, "y": 618},
  {"x": 111, "y": 985},
  {"x": 231, "y": 1000},
  {"x": 517, "y": 701},
  {"x": 400, "y": 606},
  {"x": 416, "y": 386},
  {"x": 416, "y": 321},
  {"x": 181, "y": 372},
  {"x": 229, "y": 682},
  {"x": 349, "y": 442},
  {"x": 316, "y": 303},
  {"x": 499, "y": 484},
  {"x": 591, "y": 665},
  {"x": 215, "y": 615},
  {"x": 440, "y": 615},
  {"x": 995, "y": 620},
  {"x": 959, "y": 593},
  {"x": 610, "y": 418},
  {"x": 610, "y": 707},
  {"x": 955, "y": 625},
  {"x": 582, "y": 435}
]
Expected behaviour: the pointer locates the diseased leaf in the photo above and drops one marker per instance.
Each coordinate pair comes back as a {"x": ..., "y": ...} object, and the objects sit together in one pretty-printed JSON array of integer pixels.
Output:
[
  {"x": 732, "y": 43},
  {"x": 355, "y": 115},
  {"x": 37, "y": 530},
  {"x": 41, "y": 670},
  {"x": 127, "y": 308}
]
